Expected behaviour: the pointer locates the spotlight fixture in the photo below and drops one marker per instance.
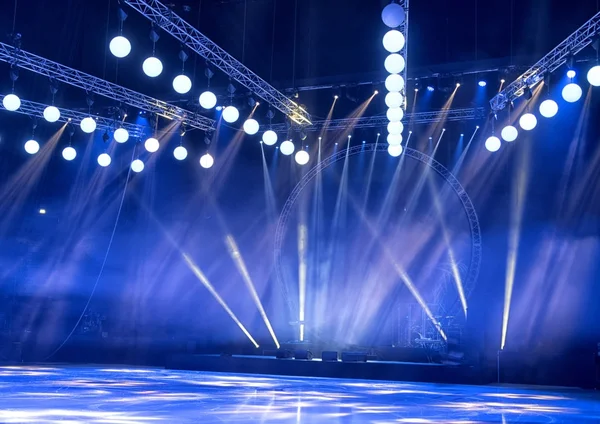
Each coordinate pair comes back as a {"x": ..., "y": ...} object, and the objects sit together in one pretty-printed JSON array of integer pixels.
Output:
[
  {"x": 528, "y": 93},
  {"x": 482, "y": 83},
  {"x": 571, "y": 74},
  {"x": 206, "y": 161},
  {"x": 152, "y": 66}
]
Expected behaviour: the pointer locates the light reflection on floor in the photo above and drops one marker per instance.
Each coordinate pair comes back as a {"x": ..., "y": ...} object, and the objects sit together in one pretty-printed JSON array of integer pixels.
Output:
[{"x": 148, "y": 395}]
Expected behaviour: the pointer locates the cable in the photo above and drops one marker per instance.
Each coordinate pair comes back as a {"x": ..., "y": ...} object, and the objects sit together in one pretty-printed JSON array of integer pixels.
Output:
[
  {"x": 14, "y": 19},
  {"x": 110, "y": 242}
]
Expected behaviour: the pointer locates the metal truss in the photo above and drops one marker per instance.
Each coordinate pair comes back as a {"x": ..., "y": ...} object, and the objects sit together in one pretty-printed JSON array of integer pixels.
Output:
[
  {"x": 472, "y": 273},
  {"x": 91, "y": 84},
  {"x": 169, "y": 21},
  {"x": 404, "y": 30},
  {"x": 68, "y": 115},
  {"x": 418, "y": 118},
  {"x": 576, "y": 42}
]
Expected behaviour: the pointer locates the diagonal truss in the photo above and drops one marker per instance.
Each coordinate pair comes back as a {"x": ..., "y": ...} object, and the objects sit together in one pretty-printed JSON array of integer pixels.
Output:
[
  {"x": 166, "y": 19},
  {"x": 91, "y": 84},
  {"x": 67, "y": 115},
  {"x": 450, "y": 115},
  {"x": 576, "y": 42}
]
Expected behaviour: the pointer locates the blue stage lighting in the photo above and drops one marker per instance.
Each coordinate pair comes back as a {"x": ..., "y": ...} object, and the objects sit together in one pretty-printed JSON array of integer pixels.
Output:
[
  {"x": 571, "y": 73},
  {"x": 430, "y": 88},
  {"x": 482, "y": 83},
  {"x": 42, "y": 211},
  {"x": 219, "y": 108}
]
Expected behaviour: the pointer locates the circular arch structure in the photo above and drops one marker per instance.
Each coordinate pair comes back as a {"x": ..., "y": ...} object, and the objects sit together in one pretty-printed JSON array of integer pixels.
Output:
[{"x": 475, "y": 263}]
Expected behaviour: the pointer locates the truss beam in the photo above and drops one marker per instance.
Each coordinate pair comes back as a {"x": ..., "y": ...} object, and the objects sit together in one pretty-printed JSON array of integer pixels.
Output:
[
  {"x": 96, "y": 85},
  {"x": 170, "y": 22}
]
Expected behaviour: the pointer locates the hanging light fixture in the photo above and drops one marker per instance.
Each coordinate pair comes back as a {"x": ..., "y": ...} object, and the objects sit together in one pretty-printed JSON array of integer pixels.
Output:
[
  {"x": 11, "y": 101},
  {"x": 206, "y": 161},
  {"x": 152, "y": 66},
  {"x": 180, "y": 152},
  {"x": 182, "y": 83},
  {"x": 52, "y": 113},
  {"x": 207, "y": 99},
  {"x": 32, "y": 146},
  {"x": 120, "y": 46},
  {"x": 104, "y": 160}
]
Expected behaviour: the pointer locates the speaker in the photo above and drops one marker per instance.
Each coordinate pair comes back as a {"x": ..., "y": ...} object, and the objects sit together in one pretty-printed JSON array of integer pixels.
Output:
[
  {"x": 354, "y": 357},
  {"x": 329, "y": 356},
  {"x": 283, "y": 354},
  {"x": 303, "y": 354}
]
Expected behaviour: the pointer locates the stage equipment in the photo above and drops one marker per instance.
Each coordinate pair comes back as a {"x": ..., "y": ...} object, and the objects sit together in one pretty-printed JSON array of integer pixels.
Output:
[
  {"x": 576, "y": 42},
  {"x": 548, "y": 108},
  {"x": 287, "y": 147},
  {"x": 354, "y": 357},
  {"x": 104, "y": 160},
  {"x": 493, "y": 144},
  {"x": 206, "y": 161},
  {"x": 137, "y": 166},
  {"x": 302, "y": 157},
  {"x": 251, "y": 126},
  {"x": 165, "y": 18},
  {"x": 329, "y": 356},
  {"x": 528, "y": 121},
  {"x": 269, "y": 137},
  {"x": 180, "y": 153},
  {"x": 32, "y": 147},
  {"x": 509, "y": 133},
  {"x": 283, "y": 354},
  {"x": 395, "y": 150},
  {"x": 304, "y": 354},
  {"x": 69, "y": 153},
  {"x": 101, "y": 87}
]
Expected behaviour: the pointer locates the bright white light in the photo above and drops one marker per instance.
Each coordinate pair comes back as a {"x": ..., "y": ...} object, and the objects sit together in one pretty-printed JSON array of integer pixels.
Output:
[
  {"x": 208, "y": 100},
  {"x": 393, "y": 15},
  {"x": 120, "y": 46},
  {"x": 395, "y": 128},
  {"x": 394, "y": 82},
  {"x": 251, "y": 126},
  {"x": 137, "y": 166},
  {"x": 528, "y": 121},
  {"x": 51, "y": 114},
  {"x": 231, "y": 114},
  {"x": 88, "y": 125},
  {"x": 393, "y": 100},
  {"x": 152, "y": 145},
  {"x": 11, "y": 102},
  {"x": 206, "y": 161},
  {"x": 548, "y": 108},
  {"x": 121, "y": 135},
  {"x": 269, "y": 137},
  {"x": 509, "y": 133},
  {"x": 69, "y": 153},
  {"x": 287, "y": 147},
  {"x": 182, "y": 84},
  {"x": 393, "y": 41},
  {"x": 394, "y": 63},
  {"x": 395, "y": 150},
  {"x": 180, "y": 153},
  {"x": 42, "y": 211},
  {"x": 593, "y": 76},
  {"x": 395, "y": 114},
  {"x": 104, "y": 160},
  {"x": 394, "y": 139},
  {"x": 32, "y": 147},
  {"x": 493, "y": 144},
  {"x": 571, "y": 74},
  {"x": 482, "y": 83},
  {"x": 152, "y": 66},
  {"x": 572, "y": 92},
  {"x": 302, "y": 157}
]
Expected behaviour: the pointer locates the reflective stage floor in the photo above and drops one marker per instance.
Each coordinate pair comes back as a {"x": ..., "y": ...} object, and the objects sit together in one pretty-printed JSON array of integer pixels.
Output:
[{"x": 150, "y": 395}]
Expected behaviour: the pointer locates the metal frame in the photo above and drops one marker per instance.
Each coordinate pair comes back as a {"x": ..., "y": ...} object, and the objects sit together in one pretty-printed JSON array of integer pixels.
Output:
[
  {"x": 91, "y": 84},
  {"x": 404, "y": 30},
  {"x": 472, "y": 274},
  {"x": 67, "y": 115},
  {"x": 576, "y": 42},
  {"x": 465, "y": 114},
  {"x": 169, "y": 21}
]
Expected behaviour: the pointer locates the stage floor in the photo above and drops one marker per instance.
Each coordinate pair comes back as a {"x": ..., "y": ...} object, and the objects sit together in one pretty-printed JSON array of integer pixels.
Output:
[{"x": 151, "y": 395}]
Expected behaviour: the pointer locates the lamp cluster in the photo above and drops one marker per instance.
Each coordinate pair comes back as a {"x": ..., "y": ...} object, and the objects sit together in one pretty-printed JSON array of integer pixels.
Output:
[
  {"x": 394, "y": 41},
  {"x": 571, "y": 93}
]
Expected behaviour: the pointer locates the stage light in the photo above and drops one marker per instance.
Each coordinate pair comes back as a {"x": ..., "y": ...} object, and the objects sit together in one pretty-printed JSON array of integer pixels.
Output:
[
  {"x": 430, "y": 88},
  {"x": 572, "y": 93},
  {"x": 502, "y": 81},
  {"x": 394, "y": 139},
  {"x": 528, "y": 121},
  {"x": 137, "y": 166},
  {"x": 395, "y": 150},
  {"x": 571, "y": 74},
  {"x": 182, "y": 84},
  {"x": 69, "y": 153},
  {"x": 394, "y": 63},
  {"x": 151, "y": 144},
  {"x": 395, "y": 114},
  {"x": 393, "y": 100},
  {"x": 51, "y": 114},
  {"x": 120, "y": 46},
  {"x": 395, "y": 127},
  {"x": 208, "y": 100},
  {"x": 88, "y": 125},
  {"x": 393, "y": 41},
  {"x": 593, "y": 76},
  {"x": 11, "y": 102},
  {"x": 482, "y": 83},
  {"x": 287, "y": 147},
  {"x": 302, "y": 157},
  {"x": 509, "y": 133},
  {"x": 336, "y": 97},
  {"x": 231, "y": 114},
  {"x": 376, "y": 92},
  {"x": 393, "y": 15},
  {"x": 152, "y": 66},
  {"x": 104, "y": 160},
  {"x": 180, "y": 153},
  {"x": 269, "y": 137},
  {"x": 32, "y": 147},
  {"x": 206, "y": 161},
  {"x": 42, "y": 211},
  {"x": 394, "y": 83},
  {"x": 251, "y": 126},
  {"x": 493, "y": 144},
  {"x": 548, "y": 108},
  {"x": 121, "y": 135}
]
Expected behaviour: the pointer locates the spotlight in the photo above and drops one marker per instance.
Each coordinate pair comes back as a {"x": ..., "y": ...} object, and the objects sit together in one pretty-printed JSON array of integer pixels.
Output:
[
  {"x": 393, "y": 41},
  {"x": 120, "y": 46},
  {"x": 182, "y": 84},
  {"x": 152, "y": 66},
  {"x": 104, "y": 160},
  {"x": 269, "y": 137},
  {"x": 493, "y": 144},
  {"x": 231, "y": 114},
  {"x": 394, "y": 63},
  {"x": 457, "y": 84},
  {"x": 395, "y": 150},
  {"x": 206, "y": 161},
  {"x": 151, "y": 145},
  {"x": 208, "y": 100},
  {"x": 287, "y": 147},
  {"x": 251, "y": 126},
  {"x": 502, "y": 80},
  {"x": 528, "y": 121},
  {"x": 395, "y": 114},
  {"x": 69, "y": 153},
  {"x": 219, "y": 108},
  {"x": 393, "y": 100},
  {"x": 121, "y": 135},
  {"x": 430, "y": 88},
  {"x": 42, "y": 211},
  {"x": 548, "y": 108},
  {"x": 593, "y": 76},
  {"x": 572, "y": 92},
  {"x": 32, "y": 147},
  {"x": 51, "y": 114},
  {"x": 394, "y": 83},
  {"x": 394, "y": 139},
  {"x": 571, "y": 74},
  {"x": 528, "y": 93},
  {"x": 509, "y": 133},
  {"x": 376, "y": 92},
  {"x": 88, "y": 125},
  {"x": 11, "y": 102},
  {"x": 137, "y": 166},
  {"x": 336, "y": 97},
  {"x": 302, "y": 157},
  {"x": 482, "y": 83},
  {"x": 180, "y": 153}
]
